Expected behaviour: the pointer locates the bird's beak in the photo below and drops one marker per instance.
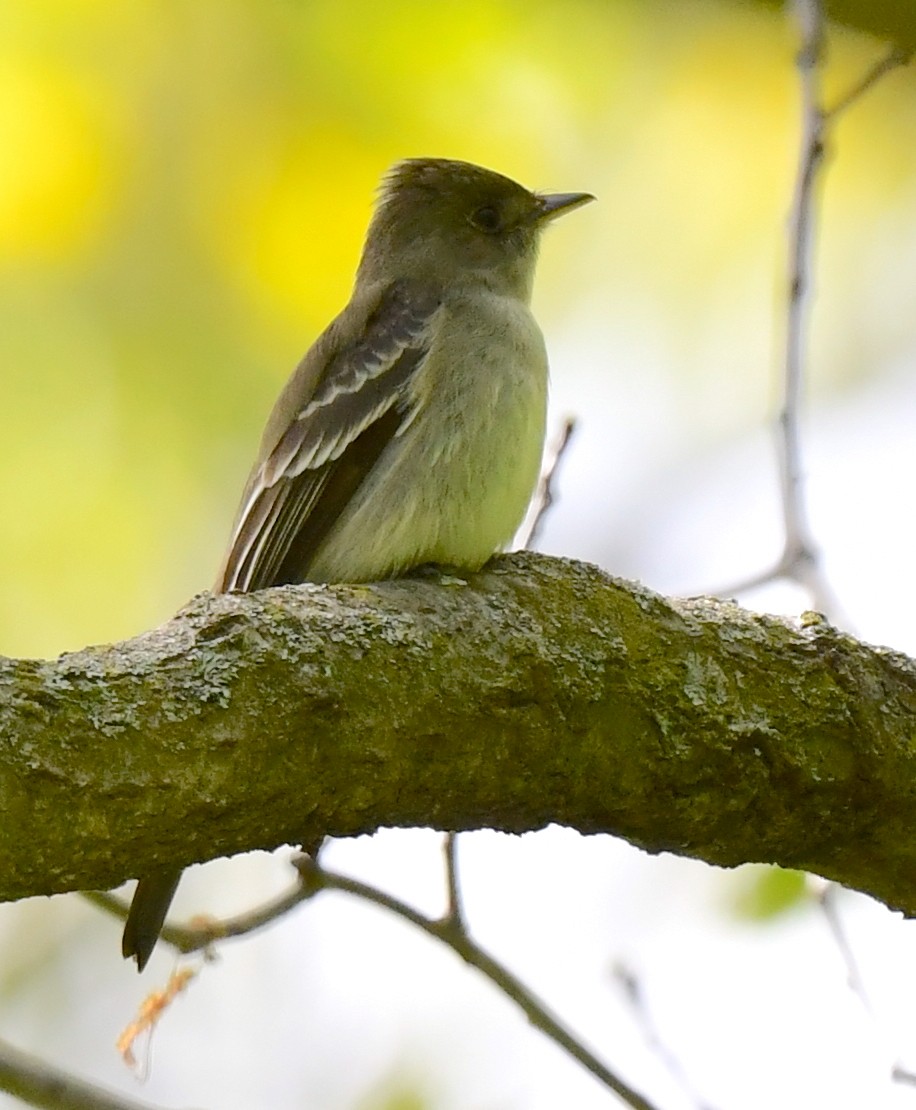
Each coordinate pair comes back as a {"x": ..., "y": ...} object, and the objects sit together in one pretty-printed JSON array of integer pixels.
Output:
[{"x": 555, "y": 204}]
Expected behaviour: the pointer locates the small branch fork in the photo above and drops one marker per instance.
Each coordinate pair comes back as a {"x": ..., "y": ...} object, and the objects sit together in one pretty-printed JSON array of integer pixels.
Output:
[
  {"x": 800, "y": 558},
  {"x": 449, "y": 929}
]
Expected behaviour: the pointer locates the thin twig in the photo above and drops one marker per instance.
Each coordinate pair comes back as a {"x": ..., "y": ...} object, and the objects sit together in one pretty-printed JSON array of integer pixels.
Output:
[
  {"x": 198, "y": 936},
  {"x": 315, "y": 878},
  {"x": 635, "y": 996},
  {"x": 903, "y": 1076},
  {"x": 800, "y": 559},
  {"x": 827, "y": 900},
  {"x": 454, "y": 911},
  {"x": 773, "y": 573},
  {"x": 38, "y": 1083},
  {"x": 544, "y": 496},
  {"x": 827, "y": 894},
  {"x": 110, "y": 903},
  {"x": 449, "y": 929},
  {"x": 895, "y": 58}
]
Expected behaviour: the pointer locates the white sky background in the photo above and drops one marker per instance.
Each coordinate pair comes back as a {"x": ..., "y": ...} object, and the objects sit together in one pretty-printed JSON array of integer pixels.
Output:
[{"x": 672, "y": 480}]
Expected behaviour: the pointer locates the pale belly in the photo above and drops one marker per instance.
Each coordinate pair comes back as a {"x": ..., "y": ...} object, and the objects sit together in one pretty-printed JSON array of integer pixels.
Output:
[{"x": 454, "y": 486}]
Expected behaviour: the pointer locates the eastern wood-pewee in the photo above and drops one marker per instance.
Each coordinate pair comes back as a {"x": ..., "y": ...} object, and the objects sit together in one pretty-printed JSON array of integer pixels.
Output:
[{"x": 412, "y": 430}]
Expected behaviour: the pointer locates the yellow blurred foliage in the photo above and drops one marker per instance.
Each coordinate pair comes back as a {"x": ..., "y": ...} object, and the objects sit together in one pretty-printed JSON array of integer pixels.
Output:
[
  {"x": 56, "y": 175},
  {"x": 184, "y": 189}
]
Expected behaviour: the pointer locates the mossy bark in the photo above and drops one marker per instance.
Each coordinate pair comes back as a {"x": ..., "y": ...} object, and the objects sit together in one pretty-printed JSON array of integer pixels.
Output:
[{"x": 536, "y": 691}]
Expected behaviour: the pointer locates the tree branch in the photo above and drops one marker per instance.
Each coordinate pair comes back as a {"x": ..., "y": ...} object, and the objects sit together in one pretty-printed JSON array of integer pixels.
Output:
[
  {"x": 451, "y": 932},
  {"x": 536, "y": 691},
  {"x": 41, "y": 1084}
]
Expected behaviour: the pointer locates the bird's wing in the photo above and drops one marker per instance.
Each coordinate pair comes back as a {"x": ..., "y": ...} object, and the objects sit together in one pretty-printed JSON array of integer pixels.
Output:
[{"x": 335, "y": 437}]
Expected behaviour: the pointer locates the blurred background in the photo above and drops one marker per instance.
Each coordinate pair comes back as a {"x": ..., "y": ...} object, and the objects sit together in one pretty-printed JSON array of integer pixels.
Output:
[{"x": 184, "y": 189}]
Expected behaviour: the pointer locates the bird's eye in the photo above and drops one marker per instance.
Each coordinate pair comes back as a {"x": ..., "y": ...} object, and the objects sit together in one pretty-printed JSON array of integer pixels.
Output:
[{"x": 486, "y": 219}]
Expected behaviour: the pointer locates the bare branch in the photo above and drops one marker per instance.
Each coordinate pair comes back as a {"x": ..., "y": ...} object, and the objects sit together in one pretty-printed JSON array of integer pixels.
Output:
[
  {"x": 800, "y": 558},
  {"x": 454, "y": 910},
  {"x": 895, "y": 58},
  {"x": 826, "y": 894},
  {"x": 316, "y": 878},
  {"x": 544, "y": 495},
  {"x": 40, "y": 1084},
  {"x": 202, "y": 932},
  {"x": 449, "y": 929},
  {"x": 635, "y": 996},
  {"x": 903, "y": 1076}
]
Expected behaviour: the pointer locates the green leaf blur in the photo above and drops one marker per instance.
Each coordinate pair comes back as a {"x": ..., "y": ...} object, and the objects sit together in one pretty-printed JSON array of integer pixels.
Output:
[{"x": 764, "y": 893}]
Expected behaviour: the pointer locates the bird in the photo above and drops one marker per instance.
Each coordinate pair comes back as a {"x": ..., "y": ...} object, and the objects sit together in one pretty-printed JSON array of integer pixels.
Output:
[{"x": 412, "y": 430}]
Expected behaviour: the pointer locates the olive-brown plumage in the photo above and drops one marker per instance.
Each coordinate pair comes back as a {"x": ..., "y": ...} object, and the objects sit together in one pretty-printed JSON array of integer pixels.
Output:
[{"x": 412, "y": 430}]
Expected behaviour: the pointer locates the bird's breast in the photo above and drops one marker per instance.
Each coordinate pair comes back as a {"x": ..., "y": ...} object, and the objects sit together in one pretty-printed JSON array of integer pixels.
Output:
[{"x": 453, "y": 485}]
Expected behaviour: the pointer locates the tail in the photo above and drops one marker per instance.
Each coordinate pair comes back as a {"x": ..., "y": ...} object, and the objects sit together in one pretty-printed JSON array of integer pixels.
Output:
[{"x": 152, "y": 899}]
